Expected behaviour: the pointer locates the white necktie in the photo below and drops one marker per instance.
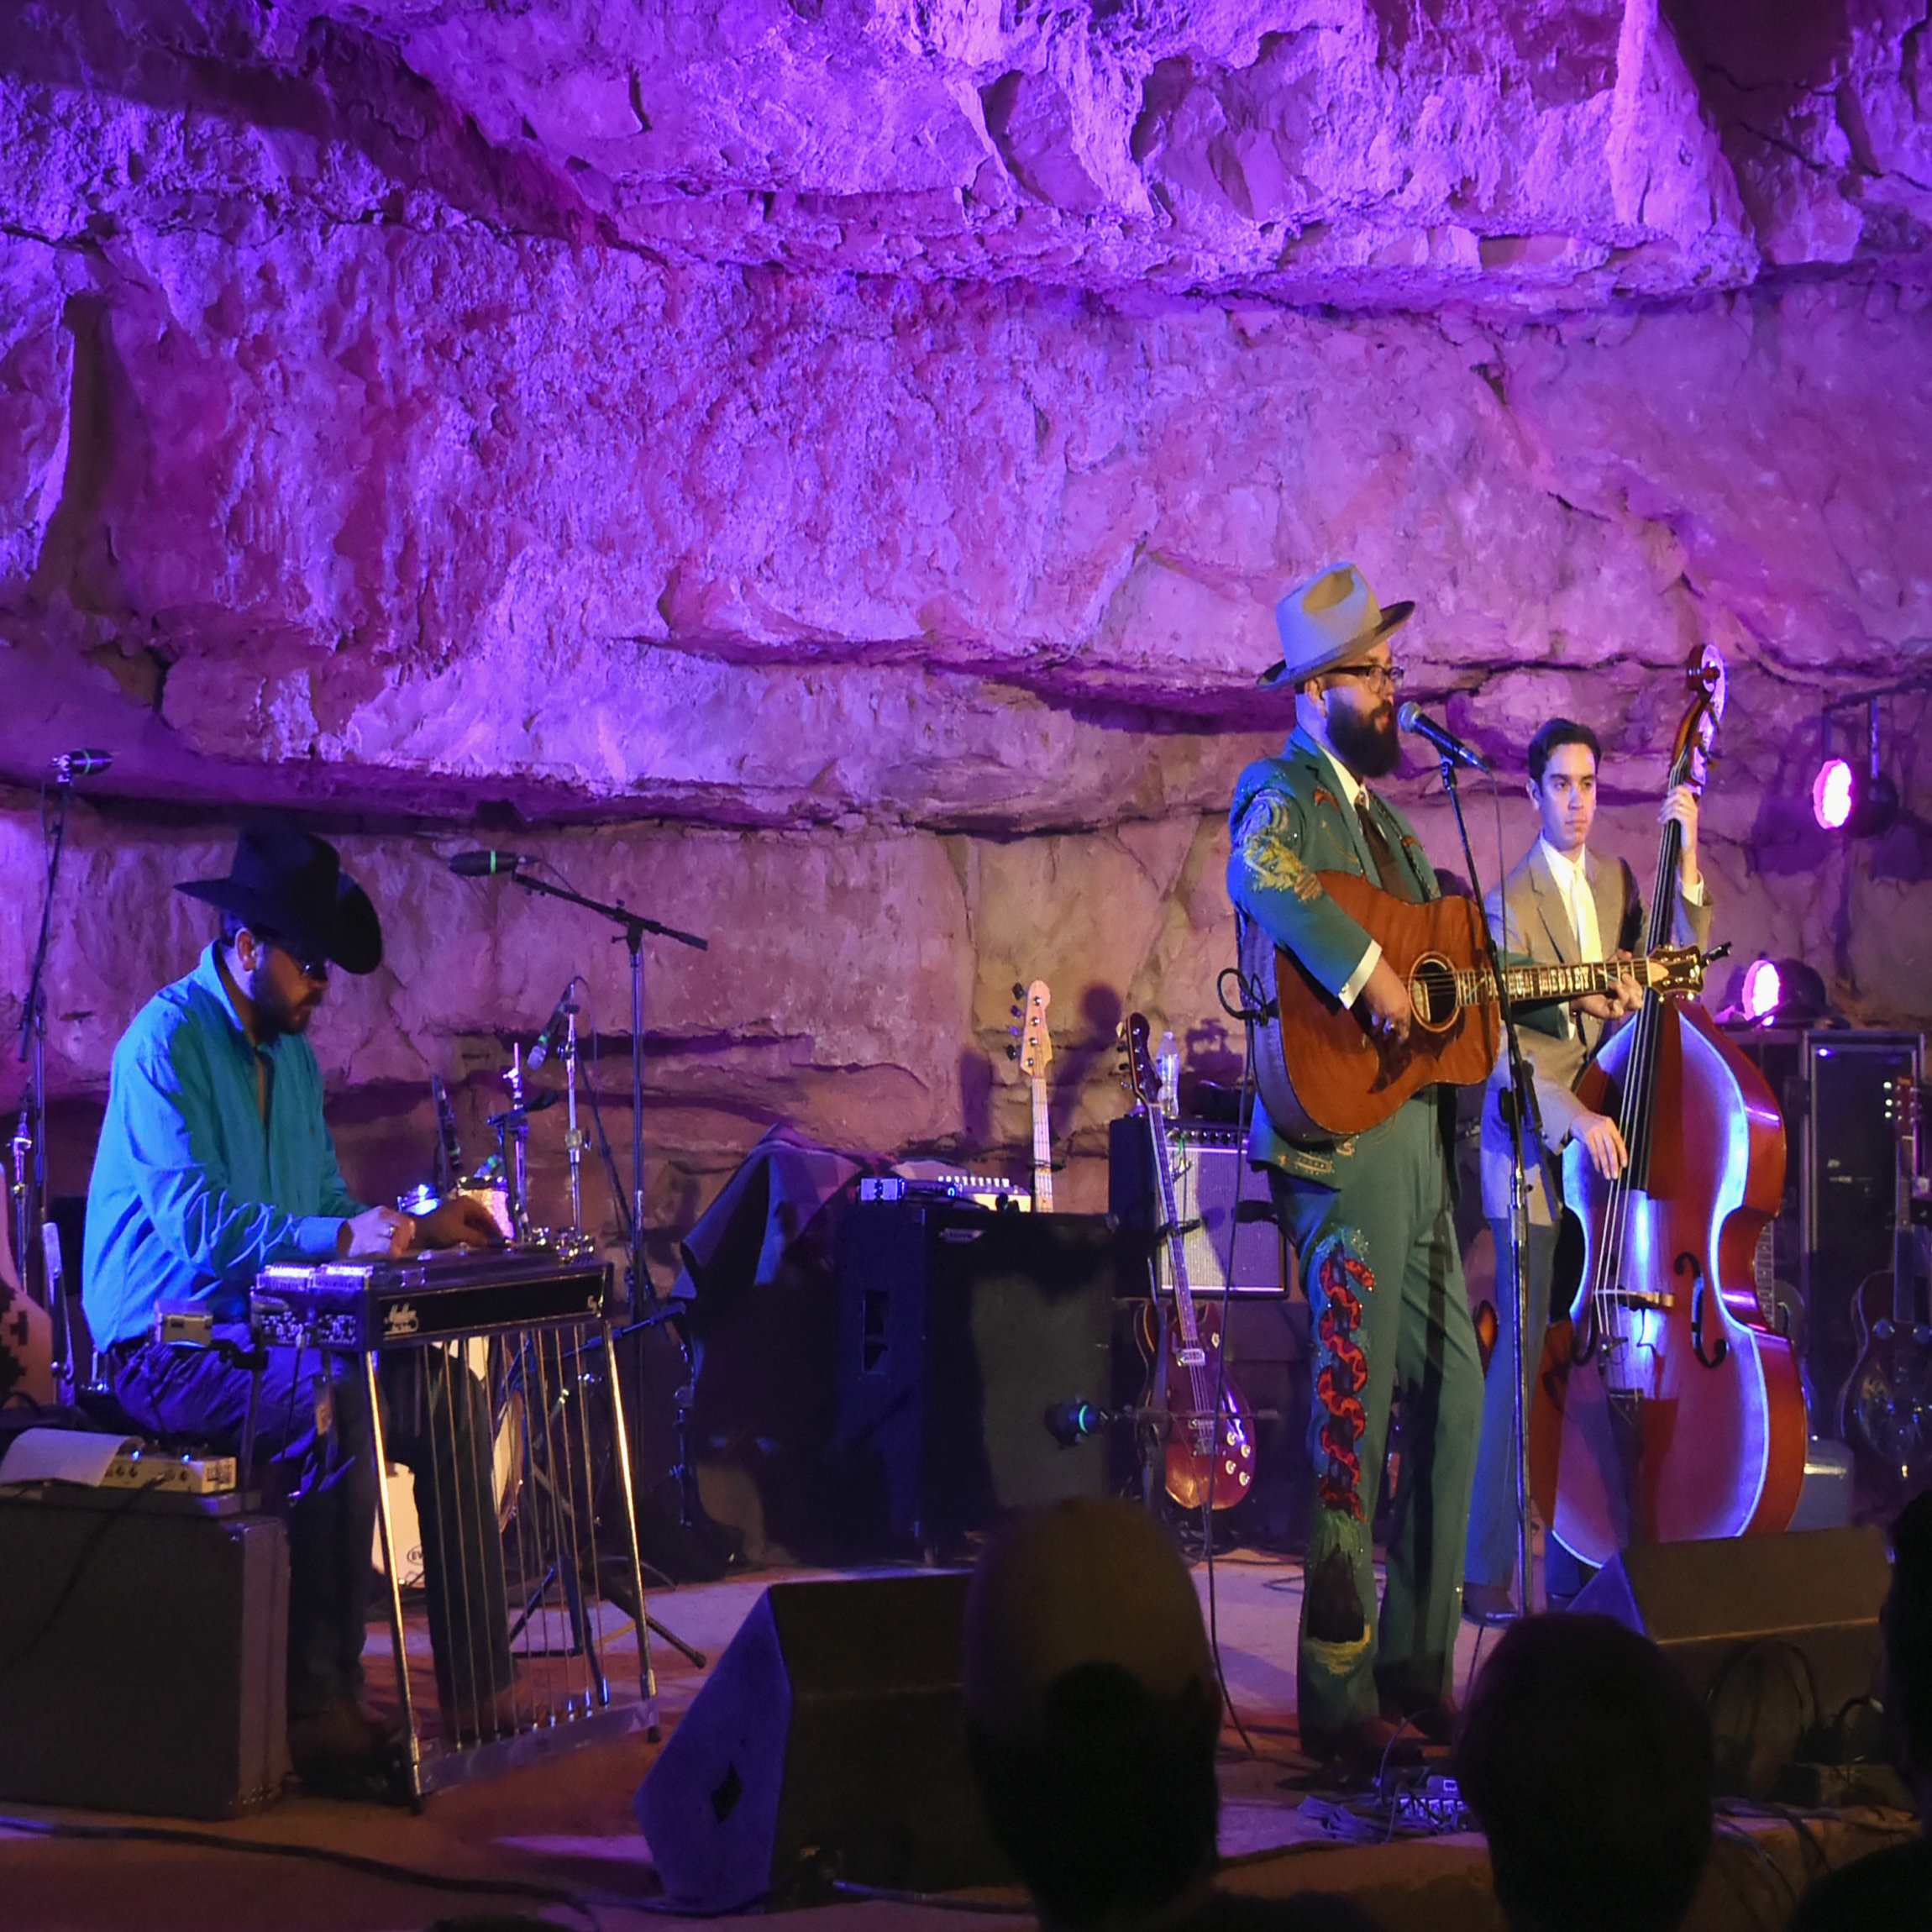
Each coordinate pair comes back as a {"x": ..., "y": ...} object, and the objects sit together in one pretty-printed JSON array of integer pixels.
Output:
[{"x": 1583, "y": 917}]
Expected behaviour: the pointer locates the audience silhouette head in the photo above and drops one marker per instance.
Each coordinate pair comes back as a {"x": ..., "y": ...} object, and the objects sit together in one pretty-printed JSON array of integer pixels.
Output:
[
  {"x": 1887, "y": 1890},
  {"x": 1093, "y": 1714},
  {"x": 1908, "y": 1648},
  {"x": 1587, "y": 1762}
]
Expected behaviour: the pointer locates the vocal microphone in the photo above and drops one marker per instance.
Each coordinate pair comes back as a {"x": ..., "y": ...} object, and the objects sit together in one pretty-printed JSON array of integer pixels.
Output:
[
  {"x": 1410, "y": 718},
  {"x": 547, "y": 1040},
  {"x": 487, "y": 864},
  {"x": 73, "y": 764}
]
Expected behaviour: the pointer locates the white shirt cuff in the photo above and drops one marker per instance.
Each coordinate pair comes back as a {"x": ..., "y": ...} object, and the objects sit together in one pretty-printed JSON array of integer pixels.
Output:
[
  {"x": 1350, "y": 990},
  {"x": 1698, "y": 894}
]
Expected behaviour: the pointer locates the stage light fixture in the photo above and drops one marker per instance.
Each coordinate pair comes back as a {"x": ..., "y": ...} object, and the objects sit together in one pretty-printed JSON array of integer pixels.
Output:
[
  {"x": 1858, "y": 800},
  {"x": 1831, "y": 795},
  {"x": 1780, "y": 993},
  {"x": 1762, "y": 987}
]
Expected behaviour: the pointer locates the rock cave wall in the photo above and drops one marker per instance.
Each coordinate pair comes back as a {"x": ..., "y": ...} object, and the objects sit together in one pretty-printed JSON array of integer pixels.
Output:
[{"x": 871, "y": 572}]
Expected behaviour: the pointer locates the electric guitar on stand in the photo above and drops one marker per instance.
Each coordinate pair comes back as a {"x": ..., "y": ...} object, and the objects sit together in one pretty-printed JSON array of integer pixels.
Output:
[
  {"x": 1209, "y": 1459},
  {"x": 26, "y": 1328},
  {"x": 1035, "y": 1053},
  {"x": 1886, "y": 1408}
]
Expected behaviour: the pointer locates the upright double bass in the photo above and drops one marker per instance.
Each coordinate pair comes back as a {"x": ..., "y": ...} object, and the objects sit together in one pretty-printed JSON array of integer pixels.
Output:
[{"x": 1665, "y": 1408}]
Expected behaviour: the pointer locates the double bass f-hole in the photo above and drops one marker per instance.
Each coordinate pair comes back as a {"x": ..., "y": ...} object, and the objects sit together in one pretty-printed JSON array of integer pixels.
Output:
[{"x": 1687, "y": 1263}]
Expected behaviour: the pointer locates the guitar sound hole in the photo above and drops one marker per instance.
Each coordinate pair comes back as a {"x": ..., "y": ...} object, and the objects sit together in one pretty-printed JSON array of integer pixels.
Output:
[{"x": 1432, "y": 992}]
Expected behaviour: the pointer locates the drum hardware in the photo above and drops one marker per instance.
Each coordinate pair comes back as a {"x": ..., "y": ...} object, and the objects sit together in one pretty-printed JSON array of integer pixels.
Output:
[{"x": 635, "y": 927}]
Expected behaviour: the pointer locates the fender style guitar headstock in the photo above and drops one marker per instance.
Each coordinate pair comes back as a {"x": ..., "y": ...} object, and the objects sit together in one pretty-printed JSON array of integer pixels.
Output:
[{"x": 1036, "y": 1051}]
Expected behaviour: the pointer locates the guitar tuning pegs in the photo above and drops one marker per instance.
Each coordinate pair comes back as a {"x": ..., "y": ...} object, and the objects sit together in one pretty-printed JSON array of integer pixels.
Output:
[
  {"x": 1012, "y": 1052},
  {"x": 1019, "y": 992}
]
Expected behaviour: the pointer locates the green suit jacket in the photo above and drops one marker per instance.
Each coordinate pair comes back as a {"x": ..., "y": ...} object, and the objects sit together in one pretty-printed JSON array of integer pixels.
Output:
[{"x": 1289, "y": 821}]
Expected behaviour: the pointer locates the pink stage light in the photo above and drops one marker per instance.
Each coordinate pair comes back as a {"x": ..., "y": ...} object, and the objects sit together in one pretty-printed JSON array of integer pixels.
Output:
[
  {"x": 1831, "y": 794},
  {"x": 1763, "y": 987}
]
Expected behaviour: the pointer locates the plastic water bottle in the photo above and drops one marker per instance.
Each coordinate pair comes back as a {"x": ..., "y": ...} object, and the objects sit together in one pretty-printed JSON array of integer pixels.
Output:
[{"x": 1167, "y": 1065}]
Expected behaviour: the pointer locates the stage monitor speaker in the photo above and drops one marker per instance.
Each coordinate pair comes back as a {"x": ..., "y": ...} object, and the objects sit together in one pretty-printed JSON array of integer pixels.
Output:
[
  {"x": 1213, "y": 1182},
  {"x": 1776, "y": 1635},
  {"x": 829, "y": 1740},
  {"x": 958, "y": 1329},
  {"x": 144, "y": 1648}
]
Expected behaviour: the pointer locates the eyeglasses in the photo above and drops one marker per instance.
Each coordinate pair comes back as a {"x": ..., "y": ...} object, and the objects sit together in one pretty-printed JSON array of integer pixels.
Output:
[
  {"x": 309, "y": 969},
  {"x": 1387, "y": 677}
]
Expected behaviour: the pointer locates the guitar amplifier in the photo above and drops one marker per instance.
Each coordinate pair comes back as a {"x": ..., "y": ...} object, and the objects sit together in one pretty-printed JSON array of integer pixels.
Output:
[
  {"x": 958, "y": 1329},
  {"x": 144, "y": 1643},
  {"x": 1837, "y": 1221},
  {"x": 1213, "y": 1184}
]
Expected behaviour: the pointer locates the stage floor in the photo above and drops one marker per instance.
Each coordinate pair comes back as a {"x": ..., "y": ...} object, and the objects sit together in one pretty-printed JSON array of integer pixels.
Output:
[{"x": 562, "y": 1829}]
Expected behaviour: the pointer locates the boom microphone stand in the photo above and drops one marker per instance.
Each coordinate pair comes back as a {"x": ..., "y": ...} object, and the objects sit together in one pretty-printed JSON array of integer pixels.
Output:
[
  {"x": 635, "y": 925},
  {"x": 30, "y": 1136},
  {"x": 1525, "y": 1118}
]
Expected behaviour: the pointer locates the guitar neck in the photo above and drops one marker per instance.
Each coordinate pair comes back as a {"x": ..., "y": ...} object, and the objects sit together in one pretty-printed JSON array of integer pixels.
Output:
[
  {"x": 1170, "y": 1220},
  {"x": 1478, "y": 984},
  {"x": 1042, "y": 1150}
]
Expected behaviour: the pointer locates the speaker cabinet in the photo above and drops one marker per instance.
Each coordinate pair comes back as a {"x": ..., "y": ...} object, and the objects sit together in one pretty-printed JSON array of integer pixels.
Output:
[
  {"x": 1774, "y": 1634},
  {"x": 830, "y": 1738},
  {"x": 148, "y": 1647},
  {"x": 958, "y": 1329},
  {"x": 1214, "y": 1185},
  {"x": 1838, "y": 1220}
]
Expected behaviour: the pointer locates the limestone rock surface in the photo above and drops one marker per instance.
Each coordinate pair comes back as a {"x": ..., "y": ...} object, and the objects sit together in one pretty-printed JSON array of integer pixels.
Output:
[{"x": 825, "y": 472}]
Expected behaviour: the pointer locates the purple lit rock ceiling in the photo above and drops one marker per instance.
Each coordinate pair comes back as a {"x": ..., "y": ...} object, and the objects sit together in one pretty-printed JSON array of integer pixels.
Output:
[{"x": 869, "y": 434}]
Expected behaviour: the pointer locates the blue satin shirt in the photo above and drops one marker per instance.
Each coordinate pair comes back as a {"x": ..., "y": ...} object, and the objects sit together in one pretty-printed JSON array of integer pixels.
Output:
[{"x": 191, "y": 1191}]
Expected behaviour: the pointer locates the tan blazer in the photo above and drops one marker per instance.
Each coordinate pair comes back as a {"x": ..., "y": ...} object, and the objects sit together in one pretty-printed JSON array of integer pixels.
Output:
[{"x": 1530, "y": 915}]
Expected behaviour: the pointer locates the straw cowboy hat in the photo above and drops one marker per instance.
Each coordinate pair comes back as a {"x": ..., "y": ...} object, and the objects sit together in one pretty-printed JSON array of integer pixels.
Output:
[{"x": 1332, "y": 619}]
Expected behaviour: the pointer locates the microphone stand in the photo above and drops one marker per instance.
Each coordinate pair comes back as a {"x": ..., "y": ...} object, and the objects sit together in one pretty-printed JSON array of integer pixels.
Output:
[
  {"x": 1524, "y": 1117},
  {"x": 636, "y": 925},
  {"x": 30, "y": 1136}
]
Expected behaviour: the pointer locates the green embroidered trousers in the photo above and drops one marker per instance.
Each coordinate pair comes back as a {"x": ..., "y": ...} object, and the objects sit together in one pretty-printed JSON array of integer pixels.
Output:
[{"x": 1384, "y": 1284}]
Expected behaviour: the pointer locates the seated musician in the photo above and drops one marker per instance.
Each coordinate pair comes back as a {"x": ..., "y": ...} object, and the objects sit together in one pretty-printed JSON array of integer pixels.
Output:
[
  {"x": 214, "y": 1160},
  {"x": 1561, "y": 903}
]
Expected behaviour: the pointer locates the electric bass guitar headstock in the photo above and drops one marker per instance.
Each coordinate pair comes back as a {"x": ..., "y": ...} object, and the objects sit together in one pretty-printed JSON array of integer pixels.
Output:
[
  {"x": 1035, "y": 1052},
  {"x": 1137, "y": 1065}
]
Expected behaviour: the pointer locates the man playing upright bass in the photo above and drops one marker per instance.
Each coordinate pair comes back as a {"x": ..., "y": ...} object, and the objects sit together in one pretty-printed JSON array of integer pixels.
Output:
[{"x": 1561, "y": 903}]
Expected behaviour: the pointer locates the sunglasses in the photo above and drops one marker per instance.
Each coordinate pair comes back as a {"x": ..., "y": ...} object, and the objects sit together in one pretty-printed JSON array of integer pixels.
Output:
[{"x": 309, "y": 969}]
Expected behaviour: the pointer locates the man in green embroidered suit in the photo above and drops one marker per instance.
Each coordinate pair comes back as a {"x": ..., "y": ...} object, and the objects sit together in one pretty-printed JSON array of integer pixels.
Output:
[{"x": 1370, "y": 1215}]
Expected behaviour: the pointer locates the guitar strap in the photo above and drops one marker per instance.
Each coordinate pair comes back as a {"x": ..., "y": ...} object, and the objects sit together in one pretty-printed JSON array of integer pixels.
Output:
[{"x": 1396, "y": 879}]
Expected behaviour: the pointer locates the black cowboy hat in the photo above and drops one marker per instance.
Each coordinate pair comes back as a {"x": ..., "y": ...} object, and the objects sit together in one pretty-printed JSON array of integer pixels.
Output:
[{"x": 287, "y": 884}]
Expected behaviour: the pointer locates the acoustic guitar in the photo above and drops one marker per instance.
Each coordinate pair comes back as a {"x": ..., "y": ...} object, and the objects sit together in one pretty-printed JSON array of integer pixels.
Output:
[
  {"x": 1885, "y": 1405},
  {"x": 1320, "y": 1072}
]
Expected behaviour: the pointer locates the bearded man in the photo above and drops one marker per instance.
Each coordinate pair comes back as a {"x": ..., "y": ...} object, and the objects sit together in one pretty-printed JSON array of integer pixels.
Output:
[
  {"x": 1369, "y": 1214},
  {"x": 214, "y": 1159}
]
